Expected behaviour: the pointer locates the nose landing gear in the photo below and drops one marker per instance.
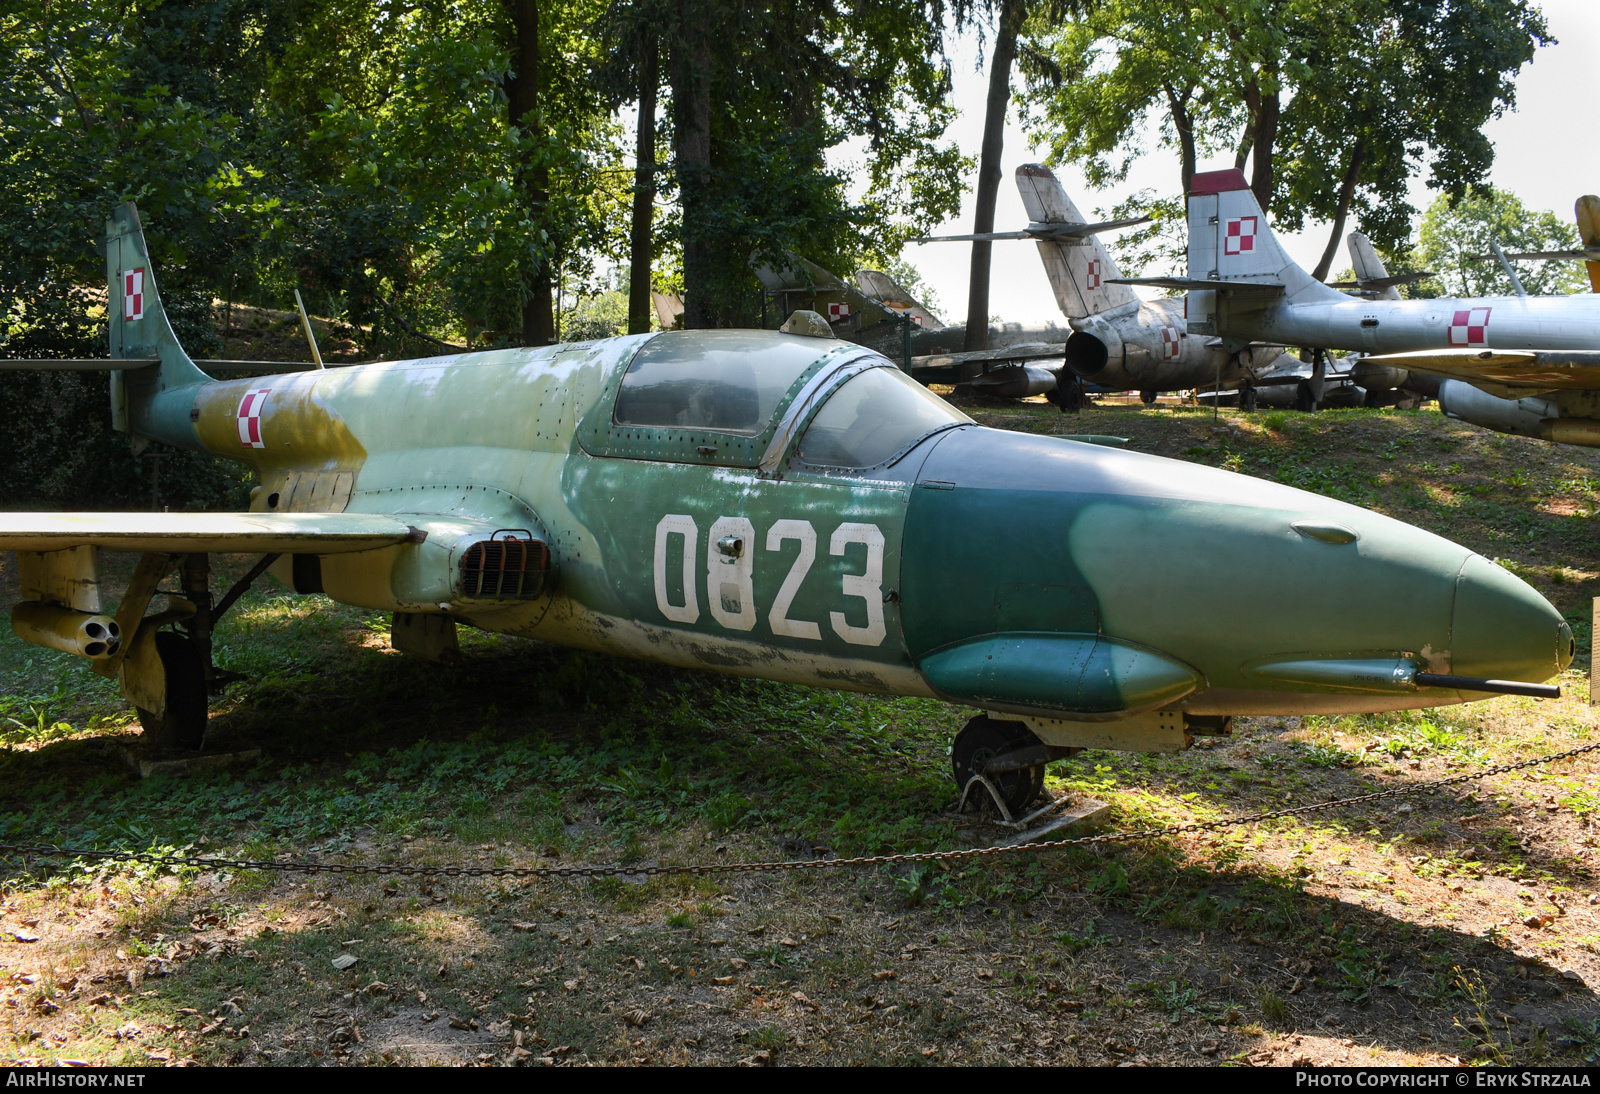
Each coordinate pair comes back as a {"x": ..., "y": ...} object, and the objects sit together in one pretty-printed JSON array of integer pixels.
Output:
[{"x": 1007, "y": 753}]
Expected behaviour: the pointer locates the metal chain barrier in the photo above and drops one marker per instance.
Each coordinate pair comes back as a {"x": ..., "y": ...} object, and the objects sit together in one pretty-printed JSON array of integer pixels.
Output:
[{"x": 387, "y": 869}]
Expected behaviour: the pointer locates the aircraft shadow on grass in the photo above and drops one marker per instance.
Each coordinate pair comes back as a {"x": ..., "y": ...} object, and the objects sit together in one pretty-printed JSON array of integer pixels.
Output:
[{"x": 1373, "y": 974}]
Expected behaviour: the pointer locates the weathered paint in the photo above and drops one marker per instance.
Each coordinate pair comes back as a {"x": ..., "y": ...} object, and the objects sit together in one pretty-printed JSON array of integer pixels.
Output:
[{"x": 1059, "y": 580}]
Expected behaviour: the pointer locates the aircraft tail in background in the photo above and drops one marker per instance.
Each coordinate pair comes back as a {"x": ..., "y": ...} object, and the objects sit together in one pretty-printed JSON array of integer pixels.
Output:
[
  {"x": 1230, "y": 240},
  {"x": 1369, "y": 268},
  {"x": 1587, "y": 211},
  {"x": 896, "y": 297},
  {"x": 1080, "y": 269}
]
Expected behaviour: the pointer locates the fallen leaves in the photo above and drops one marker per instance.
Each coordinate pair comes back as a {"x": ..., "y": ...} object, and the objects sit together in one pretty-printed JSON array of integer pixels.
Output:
[{"x": 344, "y": 961}]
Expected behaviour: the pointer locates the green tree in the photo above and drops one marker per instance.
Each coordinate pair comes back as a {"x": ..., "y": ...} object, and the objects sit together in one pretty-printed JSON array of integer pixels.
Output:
[
  {"x": 759, "y": 95},
  {"x": 1333, "y": 104},
  {"x": 1011, "y": 17},
  {"x": 1456, "y": 230}
]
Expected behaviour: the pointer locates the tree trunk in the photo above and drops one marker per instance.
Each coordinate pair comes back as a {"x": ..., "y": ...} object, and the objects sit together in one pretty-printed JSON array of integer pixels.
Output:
[
  {"x": 1266, "y": 133},
  {"x": 1347, "y": 191},
  {"x": 1183, "y": 125},
  {"x": 691, "y": 108},
  {"x": 994, "y": 132},
  {"x": 640, "y": 252},
  {"x": 522, "y": 98}
]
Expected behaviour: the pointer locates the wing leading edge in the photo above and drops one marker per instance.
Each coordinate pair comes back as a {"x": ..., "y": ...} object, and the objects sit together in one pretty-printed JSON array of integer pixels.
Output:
[{"x": 305, "y": 533}]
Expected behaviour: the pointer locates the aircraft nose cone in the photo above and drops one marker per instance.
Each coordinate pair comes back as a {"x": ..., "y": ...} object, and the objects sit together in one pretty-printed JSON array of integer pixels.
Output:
[{"x": 1502, "y": 629}]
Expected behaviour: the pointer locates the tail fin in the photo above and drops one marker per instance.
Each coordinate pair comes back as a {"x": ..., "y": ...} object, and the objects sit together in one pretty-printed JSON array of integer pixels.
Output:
[
  {"x": 1587, "y": 211},
  {"x": 139, "y": 328},
  {"x": 891, "y": 294},
  {"x": 1230, "y": 240},
  {"x": 1368, "y": 266},
  {"x": 1080, "y": 269}
]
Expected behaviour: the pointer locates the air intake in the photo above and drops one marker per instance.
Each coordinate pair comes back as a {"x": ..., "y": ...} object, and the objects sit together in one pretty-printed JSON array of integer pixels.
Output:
[{"x": 509, "y": 565}]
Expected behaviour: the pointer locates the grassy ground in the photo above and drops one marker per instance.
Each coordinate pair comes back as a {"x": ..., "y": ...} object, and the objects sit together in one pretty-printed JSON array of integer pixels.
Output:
[{"x": 1462, "y": 928}]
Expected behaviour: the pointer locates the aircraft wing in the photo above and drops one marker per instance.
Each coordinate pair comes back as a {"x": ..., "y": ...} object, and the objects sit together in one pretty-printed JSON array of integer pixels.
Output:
[
  {"x": 943, "y": 367},
  {"x": 252, "y": 533},
  {"x": 973, "y": 237},
  {"x": 120, "y": 364},
  {"x": 1043, "y": 230},
  {"x": 1021, "y": 351},
  {"x": 1195, "y": 284},
  {"x": 1545, "y": 370},
  {"x": 1383, "y": 282},
  {"x": 1575, "y": 255}
]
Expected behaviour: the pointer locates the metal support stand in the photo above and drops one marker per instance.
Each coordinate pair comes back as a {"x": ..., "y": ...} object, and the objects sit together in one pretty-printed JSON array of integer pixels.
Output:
[{"x": 993, "y": 793}]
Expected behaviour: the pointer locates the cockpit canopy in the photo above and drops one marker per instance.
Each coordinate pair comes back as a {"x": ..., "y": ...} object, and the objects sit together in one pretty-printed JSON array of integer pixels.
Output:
[
  {"x": 727, "y": 380},
  {"x": 740, "y": 397},
  {"x": 873, "y": 417}
]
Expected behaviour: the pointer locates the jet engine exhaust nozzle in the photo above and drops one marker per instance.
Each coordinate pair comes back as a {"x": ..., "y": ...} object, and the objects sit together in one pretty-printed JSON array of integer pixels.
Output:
[{"x": 1086, "y": 355}]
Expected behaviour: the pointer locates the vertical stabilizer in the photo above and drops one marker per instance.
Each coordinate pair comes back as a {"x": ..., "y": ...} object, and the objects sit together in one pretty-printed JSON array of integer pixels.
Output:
[
  {"x": 1368, "y": 266},
  {"x": 1587, "y": 211},
  {"x": 139, "y": 328},
  {"x": 1079, "y": 271},
  {"x": 896, "y": 297},
  {"x": 1230, "y": 240}
]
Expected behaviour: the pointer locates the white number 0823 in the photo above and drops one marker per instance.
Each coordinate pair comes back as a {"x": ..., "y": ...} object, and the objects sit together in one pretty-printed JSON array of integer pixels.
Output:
[{"x": 730, "y": 573}]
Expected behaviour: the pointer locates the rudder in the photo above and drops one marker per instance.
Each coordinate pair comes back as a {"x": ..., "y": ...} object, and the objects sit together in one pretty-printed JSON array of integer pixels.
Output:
[{"x": 1080, "y": 273}]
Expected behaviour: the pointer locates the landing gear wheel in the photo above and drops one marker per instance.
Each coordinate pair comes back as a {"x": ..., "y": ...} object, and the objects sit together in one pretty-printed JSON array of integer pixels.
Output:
[
  {"x": 1304, "y": 401},
  {"x": 1067, "y": 394},
  {"x": 984, "y": 738},
  {"x": 183, "y": 726},
  {"x": 1148, "y": 398},
  {"x": 1247, "y": 400}
]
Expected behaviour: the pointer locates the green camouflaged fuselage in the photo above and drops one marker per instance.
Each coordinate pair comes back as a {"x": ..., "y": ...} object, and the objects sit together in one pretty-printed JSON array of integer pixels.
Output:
[{"x": 1001, "y": 570}]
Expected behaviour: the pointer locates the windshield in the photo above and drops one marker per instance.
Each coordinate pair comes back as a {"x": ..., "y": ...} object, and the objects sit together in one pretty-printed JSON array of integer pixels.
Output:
[
  {"x": 729, "y": 380},
  {"x": 873, "y": 416}
]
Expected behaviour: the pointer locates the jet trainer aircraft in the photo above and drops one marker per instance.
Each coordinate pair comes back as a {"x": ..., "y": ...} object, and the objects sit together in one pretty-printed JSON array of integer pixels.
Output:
[
  {"x": 769, "y": 505},
  {"x": 1531, "y": 359}
]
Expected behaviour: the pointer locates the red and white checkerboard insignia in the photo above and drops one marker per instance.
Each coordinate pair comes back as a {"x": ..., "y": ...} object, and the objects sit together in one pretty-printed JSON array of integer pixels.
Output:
[
  {"x": 1470, "y": 327},
  {"x": 250, "y": 408},
  {"x": 1170, "y": 344},
  {"x": 837, "y": 312},
  {"x": 133, "y": 294},
  {"x": 1241, "y": 237},
  {"x": 1092, "y": 281}
]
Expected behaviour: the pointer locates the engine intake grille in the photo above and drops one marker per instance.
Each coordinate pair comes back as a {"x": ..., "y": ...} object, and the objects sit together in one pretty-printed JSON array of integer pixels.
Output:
[{"x": 509, "y": 568}]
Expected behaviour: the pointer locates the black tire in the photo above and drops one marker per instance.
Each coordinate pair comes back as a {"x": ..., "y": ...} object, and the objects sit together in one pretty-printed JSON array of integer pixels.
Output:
[
  {"x": 1304, "y": 401},
  {"x": 184, "y": 724},
  {"x": 1067, "y": 394},
  {"x": 984, "y": 738},
  {"x": 1148, "y": 398},
  {"x": 1247, "y": 400}
]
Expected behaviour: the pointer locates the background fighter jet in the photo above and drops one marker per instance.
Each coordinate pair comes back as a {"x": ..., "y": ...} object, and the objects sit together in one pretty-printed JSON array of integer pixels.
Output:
[
  {"x": 770, "y": 505},
  {"x": 1536, "y": 355},
  {"x": 1118, "y": 341},
  {"x": 877, "y": 311}
]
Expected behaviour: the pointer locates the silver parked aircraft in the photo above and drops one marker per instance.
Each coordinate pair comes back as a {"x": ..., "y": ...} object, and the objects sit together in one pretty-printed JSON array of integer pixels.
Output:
[
  {"x": 1118, "y": 341},
  {"x": 1534, "y": 352}
]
